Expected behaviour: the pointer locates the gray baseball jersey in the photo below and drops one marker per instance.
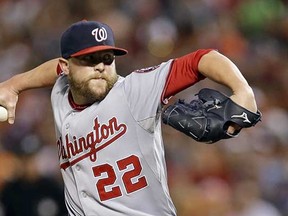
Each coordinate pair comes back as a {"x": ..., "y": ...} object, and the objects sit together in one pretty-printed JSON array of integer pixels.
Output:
[{"x": 111, "y": 153}]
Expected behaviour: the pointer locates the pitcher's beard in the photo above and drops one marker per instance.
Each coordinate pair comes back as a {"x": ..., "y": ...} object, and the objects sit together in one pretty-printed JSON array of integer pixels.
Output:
[{"x": 91, "y": 94}]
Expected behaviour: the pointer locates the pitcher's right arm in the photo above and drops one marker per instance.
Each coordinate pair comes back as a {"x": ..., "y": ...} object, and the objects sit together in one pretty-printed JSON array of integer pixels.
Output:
[{"x": 43, "y": 75}]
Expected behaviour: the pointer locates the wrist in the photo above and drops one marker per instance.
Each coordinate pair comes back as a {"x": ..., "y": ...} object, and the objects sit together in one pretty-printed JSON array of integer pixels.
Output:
[
  {"x": 16, "y": 84},
  {"x": 245, "y": 97}
]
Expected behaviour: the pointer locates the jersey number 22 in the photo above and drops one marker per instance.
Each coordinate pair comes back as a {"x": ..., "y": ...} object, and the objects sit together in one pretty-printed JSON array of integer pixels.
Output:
[{"x": 131, "y": 178}]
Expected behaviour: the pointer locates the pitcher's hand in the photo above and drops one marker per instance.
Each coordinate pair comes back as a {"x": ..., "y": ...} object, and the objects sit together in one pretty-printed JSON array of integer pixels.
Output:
[{"x": 9, "y": 99}]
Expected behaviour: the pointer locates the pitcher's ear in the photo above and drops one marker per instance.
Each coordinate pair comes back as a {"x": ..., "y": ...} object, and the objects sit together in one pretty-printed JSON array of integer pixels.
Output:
[{"x": 63, "y": 66}]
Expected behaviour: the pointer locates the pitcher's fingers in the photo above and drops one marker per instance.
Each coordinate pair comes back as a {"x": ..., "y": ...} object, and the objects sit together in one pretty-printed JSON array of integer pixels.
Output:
[
  {"x": 11, "y": 114},
  {"x": 233, "y": 129}
]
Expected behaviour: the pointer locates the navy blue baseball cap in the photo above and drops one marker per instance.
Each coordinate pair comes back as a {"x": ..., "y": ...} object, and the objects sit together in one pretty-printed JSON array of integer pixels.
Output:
[{"x": 86, "y": 37}]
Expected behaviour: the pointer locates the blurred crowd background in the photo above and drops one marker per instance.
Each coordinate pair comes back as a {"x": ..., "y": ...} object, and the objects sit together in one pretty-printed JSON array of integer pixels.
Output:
[{"x": 247, "y": 176}]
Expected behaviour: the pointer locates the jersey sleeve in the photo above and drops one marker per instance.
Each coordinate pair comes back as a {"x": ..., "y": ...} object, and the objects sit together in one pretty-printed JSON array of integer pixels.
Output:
[
  {"x": 143, "y": 89},
  {"x": 58, "y": 91},
  {"x": 184, "y": 73}
]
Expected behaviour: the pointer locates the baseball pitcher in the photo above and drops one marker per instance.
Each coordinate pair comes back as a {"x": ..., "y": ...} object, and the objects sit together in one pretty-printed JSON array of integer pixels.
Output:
[{"x": 108, "y": 127}]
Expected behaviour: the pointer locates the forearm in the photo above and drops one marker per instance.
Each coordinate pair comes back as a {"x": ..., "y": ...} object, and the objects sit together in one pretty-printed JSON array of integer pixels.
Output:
[
  {"x": 42, "y": 76},
  {"x": 220, "y": 69}
]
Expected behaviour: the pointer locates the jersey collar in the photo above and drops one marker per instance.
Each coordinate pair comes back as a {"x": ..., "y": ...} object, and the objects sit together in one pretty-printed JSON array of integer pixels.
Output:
[{"x": 74, "y": 105}]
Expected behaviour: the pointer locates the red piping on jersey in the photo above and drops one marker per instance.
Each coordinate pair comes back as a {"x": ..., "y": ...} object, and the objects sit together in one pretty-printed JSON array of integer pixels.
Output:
[
  {"x": 74, "y": 105},
  {"x": 183, "y": 74}
]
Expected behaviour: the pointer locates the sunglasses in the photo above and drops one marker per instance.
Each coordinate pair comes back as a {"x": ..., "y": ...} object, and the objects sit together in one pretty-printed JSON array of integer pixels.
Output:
[{"x": 94, "y": 59}]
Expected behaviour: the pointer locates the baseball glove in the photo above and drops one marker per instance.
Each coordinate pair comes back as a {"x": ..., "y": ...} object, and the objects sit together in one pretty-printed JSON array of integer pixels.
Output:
[{"x": 207, "y": 118}]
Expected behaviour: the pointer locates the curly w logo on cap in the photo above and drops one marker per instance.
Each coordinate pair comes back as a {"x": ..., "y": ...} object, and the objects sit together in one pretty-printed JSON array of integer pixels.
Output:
[
  {"x": 86, "y": 37},
  {"x": 100, "y": 34}
]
